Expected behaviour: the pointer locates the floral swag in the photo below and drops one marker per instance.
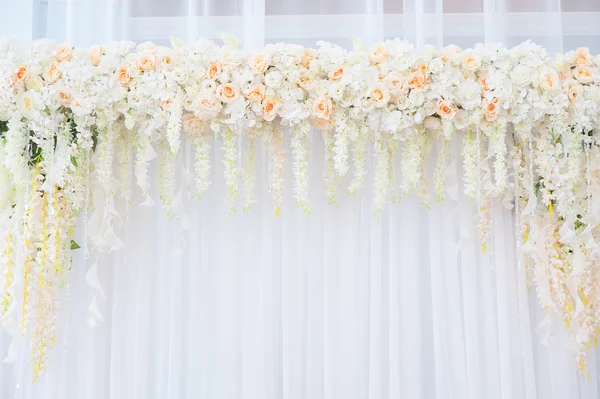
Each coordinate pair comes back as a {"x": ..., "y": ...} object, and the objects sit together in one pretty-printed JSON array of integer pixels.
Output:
[{"x": 79, "y": 126}]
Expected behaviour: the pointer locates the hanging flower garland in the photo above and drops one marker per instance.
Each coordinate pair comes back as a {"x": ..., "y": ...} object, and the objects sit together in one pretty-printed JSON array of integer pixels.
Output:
[{"x": 73, "y": 120}]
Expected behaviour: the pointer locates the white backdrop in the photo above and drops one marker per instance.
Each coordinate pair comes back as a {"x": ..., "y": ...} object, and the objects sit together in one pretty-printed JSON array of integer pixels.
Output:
[{"x": 335, "y": 305}]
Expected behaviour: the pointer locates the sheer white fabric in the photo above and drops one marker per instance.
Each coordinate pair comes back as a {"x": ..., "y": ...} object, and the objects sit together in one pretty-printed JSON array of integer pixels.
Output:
[{"x": 335, "y": 305}]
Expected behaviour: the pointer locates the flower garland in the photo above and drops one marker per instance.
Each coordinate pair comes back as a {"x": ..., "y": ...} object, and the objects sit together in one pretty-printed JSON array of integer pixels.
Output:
[{"x": 524, "y": 122}]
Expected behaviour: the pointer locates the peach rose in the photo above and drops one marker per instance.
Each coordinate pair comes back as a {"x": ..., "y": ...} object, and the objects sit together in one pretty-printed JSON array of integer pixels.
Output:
[
  {"x": 21, "y": 75},
  {"x": 582, "y": 56},
  {"x": 123, "y": 75},
  {"x": 446, "y": 110},
  {"x": 584, "y": 74},
  {"x": 166, "y": 104},
  {"x": 146, "y": 63},
  {"x": 308, "y": 55},
  {"x": 269, "y": 109},
  {"x": 378, "y": 53},
  {"x": 208, "y": 106},
  {"x": 95, "y": 54},
  {"x": 259, "y": 62},
  {"x": 490, "y": 109},
  {"x": 64, "y": 97},
  {"x": 483, "y": 83},
  {"x": 63, "y": 52},
  {"x": 321, "y": 108},
  {"x": 416, "y": 80},
  {"x": 193, "y": 125},
  {"x": 228, "y": 92},
  {"x": 380, "y": 96},
  {"x": 52, "y": 73},
  {"x": 336, "y": 74},
  {"x": 256, "y": 92},
  {"x": 423, "y": 69},
  {"x": 214, "y": 70},
  {"x": 167, "y": 62}
]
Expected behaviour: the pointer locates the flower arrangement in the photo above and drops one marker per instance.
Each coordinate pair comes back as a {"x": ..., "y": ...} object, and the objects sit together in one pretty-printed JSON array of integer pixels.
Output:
[{"x": 524, "y": 122}]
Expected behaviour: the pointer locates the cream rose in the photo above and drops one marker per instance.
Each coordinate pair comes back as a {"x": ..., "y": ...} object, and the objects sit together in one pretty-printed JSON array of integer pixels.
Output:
[
  {"x": 321, "y": 108},
  {"x": 21, "y": 75},
  {"x": 214, "y": 70},
  {"x": 25, "y": 103},
  {"x": 95, "y": 54},
  {"x": 582, "y": 56},
  {"x": 34, "y": 83},
  {"x": 574, "y": 91},
  {"x": 471, "y": 61},
  {"x": 228, "y": 92},
  {"x": 394, "y": 83},
  {"x": 167, "y": 62},
  {"x": 63, "y": 52},
  {"x": 307, "y": 81},
  {"x": 584, "y": 74},
  {"x": 380, "y": 95},
  {"x": 446, "y": 110},
  {"x": 273, "y": 79},
  {"x": 192, "y": 125},
  {"x": 260, "y": 61},
  {"x": 490, "y": 110},
  {"x": 64, "y": 97},
  {"x": 123, "y": 75},
  {"x": 378, "y": 53},
  {"x": 207, "y": 106},
  {"x": 269, "y": 109},
  {"x": 256, "y": 93},
  {"x": 432, "y": 123},
  {"x": 146, "y": 63},
  {"x": 549, "y": 80},
  {"x": 52, "y": 73}
]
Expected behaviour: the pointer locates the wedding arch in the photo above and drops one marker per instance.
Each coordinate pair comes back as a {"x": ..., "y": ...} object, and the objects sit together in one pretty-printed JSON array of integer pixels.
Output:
[{"x": 80, "y": 129}]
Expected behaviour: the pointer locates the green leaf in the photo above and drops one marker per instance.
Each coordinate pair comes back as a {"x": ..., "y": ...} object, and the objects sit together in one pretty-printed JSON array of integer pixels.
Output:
[
  {"x": 74, "y": 245},
  {"x": 74, "y": 160}
]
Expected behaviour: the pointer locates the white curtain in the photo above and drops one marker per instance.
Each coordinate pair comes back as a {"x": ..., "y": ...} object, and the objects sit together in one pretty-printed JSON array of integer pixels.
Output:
[{"x": 339, "y": 304}]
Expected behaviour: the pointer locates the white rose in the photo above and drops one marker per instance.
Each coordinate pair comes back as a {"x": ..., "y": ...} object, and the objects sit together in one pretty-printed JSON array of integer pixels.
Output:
[
  {"x": 273, "y": 79},
  {"x": 416, "y": 98},
  {"x": 26, "y": 103},
  {"x": 336, "y": 91},
  {"x": 522, "y": 75},
  {"x": 430, "y": 108},
  {"x": 403, "y": 103},
  {"x": 469, "y": 93}
]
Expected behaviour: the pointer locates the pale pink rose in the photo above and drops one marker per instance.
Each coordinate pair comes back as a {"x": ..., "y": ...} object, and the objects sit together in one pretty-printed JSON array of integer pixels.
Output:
[
  {"x": 95, "y": 54},
  {"x": 446, "y": 110},
  {"x": 260, "y": 61},
  {"x": 63, "y": 52}
]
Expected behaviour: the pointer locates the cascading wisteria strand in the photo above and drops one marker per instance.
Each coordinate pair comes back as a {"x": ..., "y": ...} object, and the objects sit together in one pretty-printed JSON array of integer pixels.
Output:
[{"x": 77, "y": 125}]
